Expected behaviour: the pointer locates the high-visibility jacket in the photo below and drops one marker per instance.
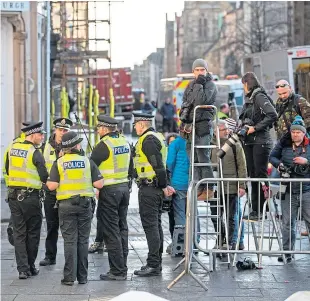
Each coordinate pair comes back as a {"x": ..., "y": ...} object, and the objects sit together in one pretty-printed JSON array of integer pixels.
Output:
[
  {"x": 22, "y": 171},
  {"x": 143, "y": 167},
  {"x": 75, "y": 177},
  {"x": 49, "y": 156},
  {"x": 21, "y": 138},
  {"x": 115, "y": 169}
]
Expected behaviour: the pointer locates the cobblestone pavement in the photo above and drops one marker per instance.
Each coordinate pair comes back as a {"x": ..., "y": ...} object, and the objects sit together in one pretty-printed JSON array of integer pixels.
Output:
[{"x": 274, "y": 282}]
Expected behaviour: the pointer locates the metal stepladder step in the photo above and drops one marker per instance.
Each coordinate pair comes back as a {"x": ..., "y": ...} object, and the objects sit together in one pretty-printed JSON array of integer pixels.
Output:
[
  {"x": 178, "y": 240},
  {"x": 192, "y": 216}
]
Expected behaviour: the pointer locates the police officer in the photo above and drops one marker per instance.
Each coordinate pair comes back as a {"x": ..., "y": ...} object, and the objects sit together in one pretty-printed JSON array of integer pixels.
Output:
[
  {"x": 51, "y": 152},
  {"x": 20, "y": 138},
  {"x": 73, "y": 176},
  {"x": 112, "y": 156},
  {"x": 150, "y": 167},
  {"x": 25, "y": 167}
]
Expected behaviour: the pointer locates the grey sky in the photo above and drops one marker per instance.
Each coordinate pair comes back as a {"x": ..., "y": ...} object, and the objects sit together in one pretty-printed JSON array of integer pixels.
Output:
[{"x": 138, "y": 28}]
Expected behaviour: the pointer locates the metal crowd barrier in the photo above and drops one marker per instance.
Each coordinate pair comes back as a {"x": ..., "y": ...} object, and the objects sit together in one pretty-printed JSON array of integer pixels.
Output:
[{"x": 273, "y": 216}]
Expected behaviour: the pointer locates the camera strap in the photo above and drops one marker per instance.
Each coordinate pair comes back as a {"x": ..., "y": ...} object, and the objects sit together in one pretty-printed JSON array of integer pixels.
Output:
[{"x": 234, "y": 149}]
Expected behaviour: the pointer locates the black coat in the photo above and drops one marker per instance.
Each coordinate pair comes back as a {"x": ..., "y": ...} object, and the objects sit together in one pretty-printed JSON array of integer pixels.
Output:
[
  {"x": 262, "y": 113},
  {"x": 197, "y": 94}
]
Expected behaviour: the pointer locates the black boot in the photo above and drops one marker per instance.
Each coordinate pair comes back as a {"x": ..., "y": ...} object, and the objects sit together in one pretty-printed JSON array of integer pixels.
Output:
[
  {"x": 34, "y": 271},
  {"x": 47, "y": 261},
  {"x": 147, "y": 271},
  {"x": 23, "y": 275}
]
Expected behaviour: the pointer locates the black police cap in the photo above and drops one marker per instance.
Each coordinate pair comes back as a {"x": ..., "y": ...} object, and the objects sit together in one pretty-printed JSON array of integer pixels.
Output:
[
  {"x": 107, "y": 121},
  {"x": 142, "y": 117},
  {"x": 33, "y": 128},
  {"x": 70, "y": 140},
  {"x": 63, "y": 123}
]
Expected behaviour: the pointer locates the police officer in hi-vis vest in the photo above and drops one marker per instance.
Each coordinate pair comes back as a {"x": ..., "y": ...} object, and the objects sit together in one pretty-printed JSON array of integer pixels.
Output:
[
  {"x": 51, "y": 152},
  {"x": 73, "y": 176},
  {"x": 150, "y": 167},
  {"x": 25, "y": 167},
  {"x": 20, "y": 138},
  {"x": 112, "y": 156}
]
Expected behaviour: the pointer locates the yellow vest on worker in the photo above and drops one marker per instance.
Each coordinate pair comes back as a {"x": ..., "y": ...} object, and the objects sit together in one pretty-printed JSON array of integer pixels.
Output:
[
  {"x": 49, "y": 156},
  {"x": 75, "y": 177},
  {"x": 143, "y": 167},
  {"x": 21, "y": 138},
  {"x": 22, "y": 171},
  {"x": 115, "y": 169}
]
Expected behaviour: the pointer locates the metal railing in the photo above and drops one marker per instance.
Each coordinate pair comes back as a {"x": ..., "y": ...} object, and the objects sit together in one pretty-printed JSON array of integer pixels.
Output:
[{"x": 295, "y": 197}]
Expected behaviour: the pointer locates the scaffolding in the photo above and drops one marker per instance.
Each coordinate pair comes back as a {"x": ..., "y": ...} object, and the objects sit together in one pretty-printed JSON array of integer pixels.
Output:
[{"x": 84, "y": 43}]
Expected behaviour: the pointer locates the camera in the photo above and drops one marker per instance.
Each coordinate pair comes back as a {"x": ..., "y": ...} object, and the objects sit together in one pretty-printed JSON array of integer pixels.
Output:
[
  {"x": 232, "y": 140},
  {"x": 285, "y": 172}
]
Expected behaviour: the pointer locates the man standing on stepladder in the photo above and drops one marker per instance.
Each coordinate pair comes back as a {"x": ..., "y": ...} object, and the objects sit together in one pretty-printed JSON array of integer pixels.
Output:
[
  {"x": 150, "y": 167},
  {"x": 51, "y": 152},
  {"x": 112, "y": 156},
  {"x": 200, "y": 91}
]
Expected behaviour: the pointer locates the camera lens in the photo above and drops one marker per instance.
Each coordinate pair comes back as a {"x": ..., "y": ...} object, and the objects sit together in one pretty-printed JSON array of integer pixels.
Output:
[{"x": 221, "y": 154}]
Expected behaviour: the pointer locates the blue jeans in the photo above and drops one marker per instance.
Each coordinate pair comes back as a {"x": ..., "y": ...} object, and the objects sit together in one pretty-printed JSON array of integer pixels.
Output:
[
  {"x": 237, "y": 222},
  {"x": 179, "y": 209}
]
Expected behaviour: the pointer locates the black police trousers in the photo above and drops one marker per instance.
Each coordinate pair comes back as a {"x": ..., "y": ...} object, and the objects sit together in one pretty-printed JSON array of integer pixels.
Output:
[
  {"x": 150, "y": 208},
  {"x": 75, "y": 215},
  {"x": 27, "y": 221},
  {"x": 99, "y": 229},
  {"x": 112, "y": 214},
  {"x": 52, "y": 223}
]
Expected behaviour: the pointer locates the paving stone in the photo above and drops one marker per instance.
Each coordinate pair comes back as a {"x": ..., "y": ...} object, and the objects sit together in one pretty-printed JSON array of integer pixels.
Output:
[
  {"x": 52, "y": 298},
  {"x": 8, "y": 297}
]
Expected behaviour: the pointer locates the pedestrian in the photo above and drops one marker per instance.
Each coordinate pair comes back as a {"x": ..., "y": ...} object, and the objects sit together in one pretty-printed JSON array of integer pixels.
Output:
[
  {"x": 178, "y": 167},
  {"x": 224, "y": 111},
  {"x": 25, "y": 167},
  {"x": 51, "y": 151},
  {"x": 233, "y": 166},
  {"x": 113, "y": 158},
  {"x": 20, "y": 138},
  {"x": 257, "y": 117},
  {"x": 200, "y": 91},
  {"x": 73, "y": 176},
  {"x": 168, "y": 111},
  {"x": 293, "y": 153},
  {"x": 151, "y": 177},
  {"x": 288, "y": 106}
]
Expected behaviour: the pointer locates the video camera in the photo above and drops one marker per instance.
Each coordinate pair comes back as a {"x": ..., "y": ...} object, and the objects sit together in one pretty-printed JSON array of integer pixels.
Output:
[{"x": 240, "y": 133}]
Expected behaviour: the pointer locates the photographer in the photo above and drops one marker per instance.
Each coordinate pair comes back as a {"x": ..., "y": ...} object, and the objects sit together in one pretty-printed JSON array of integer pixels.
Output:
[
  {"x": 234, "y": 166},
  {"x": 200, "y": 91},
  {"x": 257, "y": 118},
  {"x": 293, "y": 152}
]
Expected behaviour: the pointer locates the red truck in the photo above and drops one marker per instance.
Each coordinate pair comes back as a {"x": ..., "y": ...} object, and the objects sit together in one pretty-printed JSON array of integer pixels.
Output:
[{"x": 121, "y": 81}]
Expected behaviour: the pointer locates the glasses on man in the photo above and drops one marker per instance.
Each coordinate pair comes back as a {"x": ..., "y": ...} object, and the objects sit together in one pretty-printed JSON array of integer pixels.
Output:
[{"x": 281, "y": 86}]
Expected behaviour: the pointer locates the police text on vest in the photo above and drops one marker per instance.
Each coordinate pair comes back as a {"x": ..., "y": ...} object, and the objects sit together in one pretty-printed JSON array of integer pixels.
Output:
[
  {"x": 74, "y": 165},
  {"x": 18, "y": 153},
  {"x": 119, "y": 150}
]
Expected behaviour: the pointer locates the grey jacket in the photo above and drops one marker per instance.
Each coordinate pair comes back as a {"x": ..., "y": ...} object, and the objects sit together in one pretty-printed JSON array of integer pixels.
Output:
[{"x": 229, "y": 166}]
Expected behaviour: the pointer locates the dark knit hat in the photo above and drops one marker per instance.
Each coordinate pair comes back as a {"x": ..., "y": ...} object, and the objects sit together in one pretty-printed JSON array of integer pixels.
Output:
[
  {"x": 298, "y": 124},
  {"x": 200, "y": 63}
]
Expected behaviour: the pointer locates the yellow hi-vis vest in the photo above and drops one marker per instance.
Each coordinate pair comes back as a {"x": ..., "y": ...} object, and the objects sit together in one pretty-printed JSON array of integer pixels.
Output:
[
  {"x": 143, "y": 167},
  {"x": 49, "y": 156},
  {"x": 21, "y": 138},
  {"x": 22, "y": 171},
  {"x": 115, "y": 169},
  {"x": 75, "y": 177}
]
